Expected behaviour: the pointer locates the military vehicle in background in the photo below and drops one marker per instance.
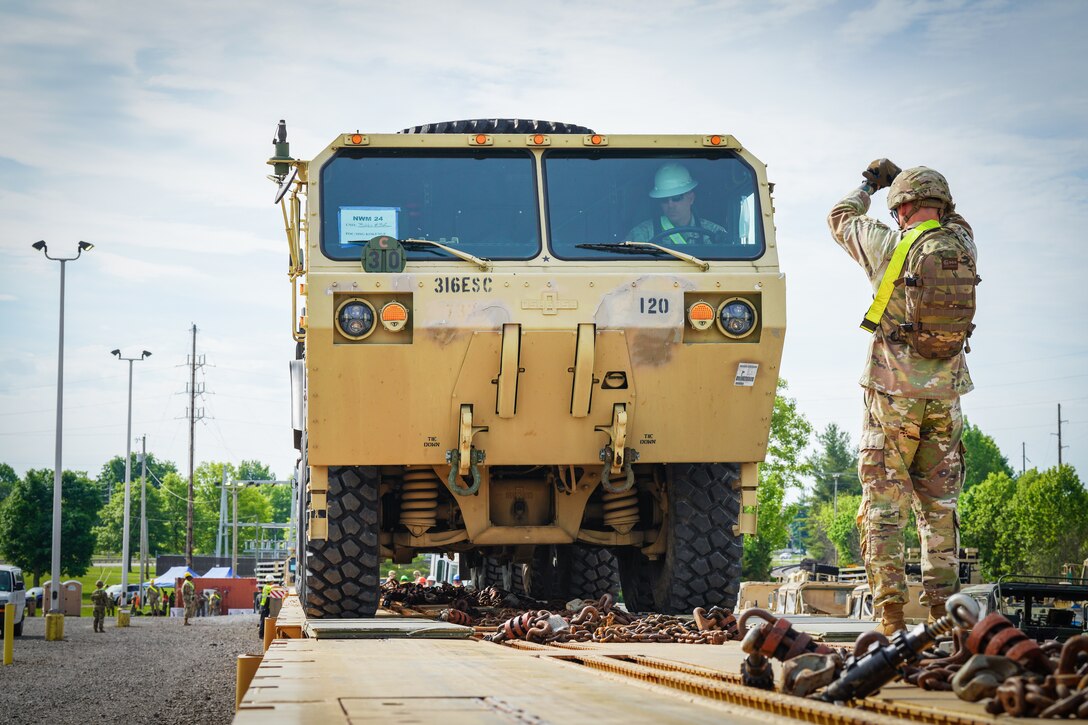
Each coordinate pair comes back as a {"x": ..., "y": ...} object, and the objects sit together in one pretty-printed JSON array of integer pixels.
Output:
[
  {"x": 1042, "y": 607},
  {"x": 507, "y": 349}
]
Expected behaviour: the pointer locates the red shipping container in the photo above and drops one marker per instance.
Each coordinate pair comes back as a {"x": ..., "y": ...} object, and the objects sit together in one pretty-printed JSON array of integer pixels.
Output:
[{"x": 236, "y": 593}]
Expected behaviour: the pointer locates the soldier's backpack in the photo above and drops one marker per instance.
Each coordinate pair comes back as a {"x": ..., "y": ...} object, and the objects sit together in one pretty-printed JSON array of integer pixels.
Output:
[
  {"x": 939, "y": 280},
  {"x": 935, "y": 274}
]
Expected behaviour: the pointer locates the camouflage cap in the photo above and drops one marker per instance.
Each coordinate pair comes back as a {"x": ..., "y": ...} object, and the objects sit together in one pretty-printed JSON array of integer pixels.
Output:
[{"x": 920, "y": 184}]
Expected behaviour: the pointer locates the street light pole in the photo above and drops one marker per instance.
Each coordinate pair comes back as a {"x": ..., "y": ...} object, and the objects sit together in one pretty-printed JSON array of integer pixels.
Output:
[
  {"x": 128, "y": 478},
  {"x": 58, "y": 471}
]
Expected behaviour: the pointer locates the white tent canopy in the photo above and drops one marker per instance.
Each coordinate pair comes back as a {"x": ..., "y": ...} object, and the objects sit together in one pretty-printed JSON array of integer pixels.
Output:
[{"x": 170, "y": 577}]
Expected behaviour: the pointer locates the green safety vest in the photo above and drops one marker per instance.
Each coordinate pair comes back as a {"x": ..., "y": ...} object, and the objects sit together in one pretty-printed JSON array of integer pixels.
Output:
[
  {"x": 264, "y": 594},
  {"x": 891, "y": 274},
  {"x": 676, "y": 238}
]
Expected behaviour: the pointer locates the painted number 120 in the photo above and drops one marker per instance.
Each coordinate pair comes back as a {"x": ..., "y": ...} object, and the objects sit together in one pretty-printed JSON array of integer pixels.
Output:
[{"x": 653, "y": 305}]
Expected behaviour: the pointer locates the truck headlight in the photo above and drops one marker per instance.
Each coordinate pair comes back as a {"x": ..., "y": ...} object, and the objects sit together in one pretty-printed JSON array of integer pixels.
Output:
[
  {"x": 737, "y": 317},
  {"x": 355, "y": 318}
]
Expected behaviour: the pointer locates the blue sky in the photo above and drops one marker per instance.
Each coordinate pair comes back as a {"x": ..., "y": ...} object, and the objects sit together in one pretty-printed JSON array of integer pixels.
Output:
[{"x": 144, "y": 129}]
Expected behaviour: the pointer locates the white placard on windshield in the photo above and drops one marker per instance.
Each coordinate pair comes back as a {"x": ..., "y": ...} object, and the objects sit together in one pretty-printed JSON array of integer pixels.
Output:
[{"x": 360, "y": 224}]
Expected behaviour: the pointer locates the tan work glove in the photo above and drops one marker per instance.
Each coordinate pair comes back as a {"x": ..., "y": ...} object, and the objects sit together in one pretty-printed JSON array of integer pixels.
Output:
[{"x": 881, "y": 173}]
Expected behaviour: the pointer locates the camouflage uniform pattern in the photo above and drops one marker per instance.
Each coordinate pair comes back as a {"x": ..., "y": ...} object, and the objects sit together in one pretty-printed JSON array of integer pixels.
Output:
[
  {"x": 911, "y": 456},
  {"x": 153, "y": 595},
  {"x": 645, "y": 231},
  {"x": 99, "y": 598},
  {"x": 895, "y": 368},
  {"x": 188, "y": 597}
]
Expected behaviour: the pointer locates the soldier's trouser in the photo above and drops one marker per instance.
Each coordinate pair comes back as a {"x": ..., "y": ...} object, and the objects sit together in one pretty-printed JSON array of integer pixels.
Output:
[
  {"x": 910, "y": 456},
  {"x": 99, "y": 619}
]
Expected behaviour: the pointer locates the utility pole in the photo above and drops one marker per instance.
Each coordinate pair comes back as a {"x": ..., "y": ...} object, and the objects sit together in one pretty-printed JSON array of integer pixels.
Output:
[
  {"x": 1023, "y": 457},
  {"x": 221, "y": 534},
  {"x": 1059, "y": 434},
  {"x": 234, "y": 537},
  {"x": 143, "y": 511},
  {"x": 126, "y": 563},
  {"x": 194, "y": 416}
]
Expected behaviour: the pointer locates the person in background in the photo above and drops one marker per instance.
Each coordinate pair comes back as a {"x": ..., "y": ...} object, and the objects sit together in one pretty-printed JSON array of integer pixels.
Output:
[
  {"x": 265, "y": 604},
  {"x": 188, "y": 597},
  {"x": 153, "y": 596},
  {"x": 99, "y": 598}
]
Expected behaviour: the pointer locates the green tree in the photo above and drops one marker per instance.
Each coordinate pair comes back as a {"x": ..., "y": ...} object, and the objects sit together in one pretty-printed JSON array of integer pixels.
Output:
[
  {"x": 8, "y": 479},
  {"x": 782, "y": 470},
  {"x": 111, "y": 519},
  {"x": 253, "y": 503},
  {"x": 113, "y": 471},
  {"x": 981, "y": 456},
  {"x": 250, "y": 470},
  {"x": 840, "y": 530},
  {"x": 1051, "y": 512},
  {"x": 1029, "y": 525},
  {"x": 834, "y": 466},
  {"x": 26, "y": 523},
  {"x": 175, "y": 495}
]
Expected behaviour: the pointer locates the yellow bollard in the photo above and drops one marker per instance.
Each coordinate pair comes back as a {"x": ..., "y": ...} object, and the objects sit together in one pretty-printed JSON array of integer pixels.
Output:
[
  {"x": 9, "y": 632},
  {"x": 54, "y": 627},
  {"x": 269, "y": 631},
  {"x": 123, "y": 616},
  {"x": 247, "y": 667}
]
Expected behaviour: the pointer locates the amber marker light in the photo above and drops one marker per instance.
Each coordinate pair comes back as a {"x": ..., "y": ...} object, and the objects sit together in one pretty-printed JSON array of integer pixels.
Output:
[
  {"x": 538, "y": 139},
  {"x": 715, "y": 140},
  {"x": 595, "y": 139},
  {"x": 394, "y": 316},
  {"x": 357, "y": 138},
  {"x": 480, "y": 139},
  {"x": 701, "y": 316}
]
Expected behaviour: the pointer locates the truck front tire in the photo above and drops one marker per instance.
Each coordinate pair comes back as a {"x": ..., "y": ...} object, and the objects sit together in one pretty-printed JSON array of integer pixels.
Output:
[
  {"x": 342, "y": 574},
  {"x": 701, "y": 566}
]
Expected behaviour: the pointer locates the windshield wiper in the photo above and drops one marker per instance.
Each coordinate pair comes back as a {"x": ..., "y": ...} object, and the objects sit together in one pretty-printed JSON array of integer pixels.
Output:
[
  {"x": 419, "y": 244},
  {"x": 634, "y": 248}
]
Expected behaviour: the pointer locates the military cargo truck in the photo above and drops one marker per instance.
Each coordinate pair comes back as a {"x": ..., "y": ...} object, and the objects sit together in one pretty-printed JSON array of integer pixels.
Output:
[{"x": 549, "y": 350}]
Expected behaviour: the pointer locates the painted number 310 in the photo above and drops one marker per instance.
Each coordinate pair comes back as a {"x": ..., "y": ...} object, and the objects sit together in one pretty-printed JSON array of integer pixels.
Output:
[{"x": 653, "y": 305}]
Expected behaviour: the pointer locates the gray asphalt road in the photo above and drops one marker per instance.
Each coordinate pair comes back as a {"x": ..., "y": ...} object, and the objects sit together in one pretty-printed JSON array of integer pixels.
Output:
[{"x": 155, "y": 671}]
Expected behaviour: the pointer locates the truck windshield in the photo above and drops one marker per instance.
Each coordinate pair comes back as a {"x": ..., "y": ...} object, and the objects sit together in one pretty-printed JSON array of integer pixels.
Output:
[
  {"x": 483, "y": 204},
  {"x": 703, "y": 203}
]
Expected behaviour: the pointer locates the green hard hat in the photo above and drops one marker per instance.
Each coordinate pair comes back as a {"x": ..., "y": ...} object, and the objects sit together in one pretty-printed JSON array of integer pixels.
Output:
[
  {"x": 404, "y": 577},
  {"x": 672, "y": 180}
]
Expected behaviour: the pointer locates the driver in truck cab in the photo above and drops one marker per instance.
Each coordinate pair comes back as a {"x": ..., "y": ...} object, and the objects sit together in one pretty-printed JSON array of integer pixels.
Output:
[{"x": 675, "y": 191}]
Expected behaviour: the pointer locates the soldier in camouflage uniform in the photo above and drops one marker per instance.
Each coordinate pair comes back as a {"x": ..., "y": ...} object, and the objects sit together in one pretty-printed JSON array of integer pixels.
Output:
[
  {"x": 153, "y": 596},
  {"x": 188, "y": 597},
  {"x": 99, "y": 598},
  {"x": 911, "y": 455},
  {"x": 675, "y": 190}
]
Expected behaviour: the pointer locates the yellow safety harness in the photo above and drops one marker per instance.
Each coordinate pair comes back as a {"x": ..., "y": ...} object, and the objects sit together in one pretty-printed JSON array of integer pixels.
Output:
[
  {"x": 895, "y": 267},
  {"x": 676, "y": 238}
]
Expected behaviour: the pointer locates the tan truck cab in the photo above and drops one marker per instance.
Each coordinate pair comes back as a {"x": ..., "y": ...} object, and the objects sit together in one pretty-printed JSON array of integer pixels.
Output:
[{"x": 549, "y": 350}]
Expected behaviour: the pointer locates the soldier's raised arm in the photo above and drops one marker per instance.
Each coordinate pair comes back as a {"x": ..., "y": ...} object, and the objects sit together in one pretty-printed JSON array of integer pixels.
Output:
[{"x": 869, "y": 242}]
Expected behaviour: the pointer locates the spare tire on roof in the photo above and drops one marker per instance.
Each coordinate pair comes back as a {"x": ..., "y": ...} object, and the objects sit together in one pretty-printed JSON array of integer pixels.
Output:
[{"x": 498, "y": 125}]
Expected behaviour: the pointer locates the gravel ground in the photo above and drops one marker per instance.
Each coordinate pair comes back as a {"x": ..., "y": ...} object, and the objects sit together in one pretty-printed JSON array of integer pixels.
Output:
[{"x": 155, "y": 671}]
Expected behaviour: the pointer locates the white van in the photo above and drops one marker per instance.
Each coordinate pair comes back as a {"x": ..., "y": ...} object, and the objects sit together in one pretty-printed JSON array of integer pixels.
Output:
[{"x": 12, "y": 589}]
